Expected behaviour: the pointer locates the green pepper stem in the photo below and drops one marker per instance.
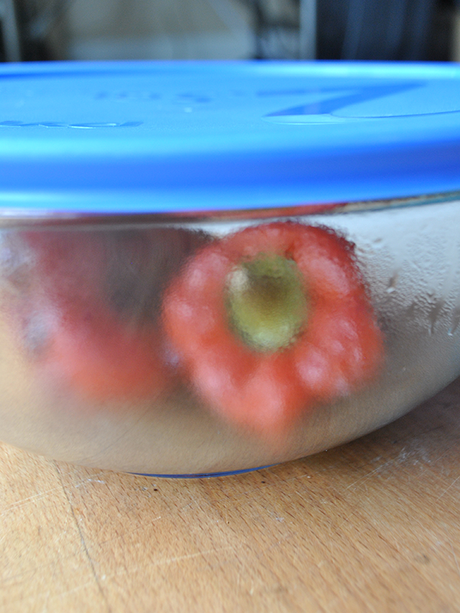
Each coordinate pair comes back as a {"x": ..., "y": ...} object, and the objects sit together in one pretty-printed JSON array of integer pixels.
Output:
[{"x": 267, "y": 302}]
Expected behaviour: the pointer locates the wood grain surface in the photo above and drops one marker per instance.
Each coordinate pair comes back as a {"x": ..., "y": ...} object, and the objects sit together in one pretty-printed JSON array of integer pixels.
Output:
[{"x": 369, "y": 526}]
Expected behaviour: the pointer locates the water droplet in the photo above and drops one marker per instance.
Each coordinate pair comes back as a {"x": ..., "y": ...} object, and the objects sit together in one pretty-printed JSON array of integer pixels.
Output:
[
  {"x": 392, "y": 284},
  {"x": 455, "y": 322},
  {"x": 410, "y": 312},
  {"x": 434, "y": 314}
]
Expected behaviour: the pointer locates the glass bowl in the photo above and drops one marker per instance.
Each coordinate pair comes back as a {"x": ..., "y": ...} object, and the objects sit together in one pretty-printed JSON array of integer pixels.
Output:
[{"x": 110, "y": 352}]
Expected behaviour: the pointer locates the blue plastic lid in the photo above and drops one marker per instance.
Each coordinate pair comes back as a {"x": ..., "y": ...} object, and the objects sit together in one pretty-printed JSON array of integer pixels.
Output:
[{"x": 131, "y": 137}]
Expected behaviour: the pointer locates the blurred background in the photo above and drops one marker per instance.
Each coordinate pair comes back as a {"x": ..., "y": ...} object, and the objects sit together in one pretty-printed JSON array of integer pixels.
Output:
[{"x": 229, "y": 29}]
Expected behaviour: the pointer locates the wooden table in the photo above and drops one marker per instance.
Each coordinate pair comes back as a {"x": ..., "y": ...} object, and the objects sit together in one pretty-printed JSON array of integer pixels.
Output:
[{"x": 370, "y": 526}]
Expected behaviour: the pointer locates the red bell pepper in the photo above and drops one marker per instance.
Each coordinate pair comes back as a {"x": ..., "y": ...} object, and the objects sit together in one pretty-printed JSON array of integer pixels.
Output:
[
  {"x": 93, "y": 351},
  {"x": 88, "y": 313},
  {"x": 271, "y": 321}
]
